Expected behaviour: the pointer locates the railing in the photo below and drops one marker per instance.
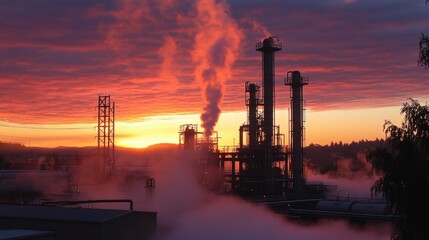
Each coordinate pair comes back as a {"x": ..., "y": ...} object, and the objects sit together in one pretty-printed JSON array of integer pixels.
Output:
[
  {"x": 74, "y": 203},
  {"x": 273, "y": 44},
  {"x": 288, "y": 80},
  {"x": 347, "y": 198},
  {"x": 228, "y": 149}
]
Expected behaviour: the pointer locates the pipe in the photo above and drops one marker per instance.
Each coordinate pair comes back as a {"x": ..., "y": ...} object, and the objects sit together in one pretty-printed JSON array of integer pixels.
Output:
[{"x": 69, "y": 203}]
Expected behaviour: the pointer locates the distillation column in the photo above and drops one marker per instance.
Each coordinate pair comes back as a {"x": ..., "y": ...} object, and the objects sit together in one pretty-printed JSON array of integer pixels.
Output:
[
  {"x": 253, "y": 111},
  {"x": 296, "y": 82},
  {"x": 268, "y": 47}
]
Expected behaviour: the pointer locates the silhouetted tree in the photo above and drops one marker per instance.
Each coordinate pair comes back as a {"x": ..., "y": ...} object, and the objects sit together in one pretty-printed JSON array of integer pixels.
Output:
[
  {"x": 4, "y": 164},
  {"x": 404, "y": 167},
  {"x": 424, "y": 51},
  {"x": 423, "y": 60},
  {"x": 326, "y": 159}
]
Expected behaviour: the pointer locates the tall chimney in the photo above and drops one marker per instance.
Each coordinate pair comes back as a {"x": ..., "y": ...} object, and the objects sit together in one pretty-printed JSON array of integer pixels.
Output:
[
  {"x": 296, "y": 83},
  {"x": 268, "y": 47}
]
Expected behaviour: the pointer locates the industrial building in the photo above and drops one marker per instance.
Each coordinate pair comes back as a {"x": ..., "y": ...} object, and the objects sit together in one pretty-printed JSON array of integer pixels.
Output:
[
  {"x": 355, "y": 209},
  {"x": 262, "y": 164},
  {"x": 62, "y": 223},
  {"x": 263, "y": 167}
]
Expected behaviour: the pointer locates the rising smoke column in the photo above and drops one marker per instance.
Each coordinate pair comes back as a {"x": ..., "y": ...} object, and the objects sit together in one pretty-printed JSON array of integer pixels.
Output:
[{"x": 215, "y": 50}]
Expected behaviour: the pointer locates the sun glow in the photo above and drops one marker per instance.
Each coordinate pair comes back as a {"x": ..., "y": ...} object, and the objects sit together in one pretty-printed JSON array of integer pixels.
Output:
[
  {"x": 156, "y": 129},
  {"x": 322, "y": 127}
]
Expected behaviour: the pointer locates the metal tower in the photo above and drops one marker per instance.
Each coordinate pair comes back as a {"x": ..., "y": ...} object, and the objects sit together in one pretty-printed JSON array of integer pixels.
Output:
[
  {"x": 106, "y": 133},
  {"x": 268, "y": 47},
  {"x": 253, "y": 101},
  {"x": 296, "y": 83}
]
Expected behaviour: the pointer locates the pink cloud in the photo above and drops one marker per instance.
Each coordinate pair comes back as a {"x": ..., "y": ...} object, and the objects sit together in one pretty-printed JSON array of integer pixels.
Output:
[{"x": 150, "y": 55}]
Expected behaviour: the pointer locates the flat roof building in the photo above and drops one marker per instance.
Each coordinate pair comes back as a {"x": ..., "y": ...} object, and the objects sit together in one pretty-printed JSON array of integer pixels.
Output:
[{"x": 79, "y": 223}]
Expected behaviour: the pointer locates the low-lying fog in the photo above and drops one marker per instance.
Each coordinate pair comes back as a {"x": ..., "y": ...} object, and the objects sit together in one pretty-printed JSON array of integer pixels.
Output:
[{"x": 186, "y": 211}]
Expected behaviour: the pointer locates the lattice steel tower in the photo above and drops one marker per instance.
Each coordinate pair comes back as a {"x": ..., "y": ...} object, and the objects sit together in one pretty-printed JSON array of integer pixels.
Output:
[{"x": 106, "y": 133}]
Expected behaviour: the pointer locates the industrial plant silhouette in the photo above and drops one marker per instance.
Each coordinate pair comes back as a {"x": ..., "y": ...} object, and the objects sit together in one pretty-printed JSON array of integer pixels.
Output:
[
  {"x": 262, "y": 164},
  {"x": 262, "y": 168}
]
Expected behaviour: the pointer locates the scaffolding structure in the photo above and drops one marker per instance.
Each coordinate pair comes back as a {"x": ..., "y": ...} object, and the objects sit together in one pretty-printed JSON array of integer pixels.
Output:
[
  {"x": 106, "y": 134},
  {"x": 191, "y": 139},
  {"x": 204, "y": 150}
]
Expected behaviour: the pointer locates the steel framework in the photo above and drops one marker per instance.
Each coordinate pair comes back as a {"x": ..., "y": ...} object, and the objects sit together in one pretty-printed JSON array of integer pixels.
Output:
[{"x": 106, "y": 133}]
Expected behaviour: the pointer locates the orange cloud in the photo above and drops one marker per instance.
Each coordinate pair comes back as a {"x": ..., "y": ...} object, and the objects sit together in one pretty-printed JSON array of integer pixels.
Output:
[
  {"x": 151, "y": 56},
  {"x": 168, "y": 53}
]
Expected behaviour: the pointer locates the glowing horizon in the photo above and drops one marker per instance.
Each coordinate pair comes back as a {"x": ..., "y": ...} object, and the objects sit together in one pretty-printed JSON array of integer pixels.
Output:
[{"x": 322, "y": 127}]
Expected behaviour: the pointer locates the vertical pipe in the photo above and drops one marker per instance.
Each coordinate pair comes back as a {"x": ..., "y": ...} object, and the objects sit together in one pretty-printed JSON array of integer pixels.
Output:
[
  {"x": 297, "y": 132},
  {"x": 233, "y": 177},
  {"x": 108, "y": 115},
  {"x": 268, "y": 84},
  {"x": 99, "y": 121},
  {"x": 253, "y": 108},
  {"x": 99, "y": 134},
  {"x": 241, "y": 137},
  {"x": 113, "y": 136}
]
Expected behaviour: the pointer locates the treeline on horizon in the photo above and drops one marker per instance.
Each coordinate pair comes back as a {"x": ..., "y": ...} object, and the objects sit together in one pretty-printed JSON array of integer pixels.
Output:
[
  {"x": 341, "y": 159},
  {"x": 15, "y": 156},
  {"x": 336, "y": 159}
]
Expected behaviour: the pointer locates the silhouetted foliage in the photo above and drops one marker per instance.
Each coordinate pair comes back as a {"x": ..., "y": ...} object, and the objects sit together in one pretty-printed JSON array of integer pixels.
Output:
[
  {"x": 404, "y": 166},
  {"x": 424, "y": 51},
  {"x": 423, "y": 60},
  {"x": 341, "y": 159},
  {"x": 4, "y": 164},
  {"x": 4, "y": 146}
]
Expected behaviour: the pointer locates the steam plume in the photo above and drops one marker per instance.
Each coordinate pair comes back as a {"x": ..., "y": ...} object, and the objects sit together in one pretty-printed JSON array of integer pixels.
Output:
[
  {"x": 255, "y": 26},
  {"x": 216, "y": 45}
]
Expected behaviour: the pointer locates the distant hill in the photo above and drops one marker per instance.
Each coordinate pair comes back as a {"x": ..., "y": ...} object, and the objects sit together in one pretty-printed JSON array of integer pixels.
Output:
[
  {"x": 16, "y": 156},
  {"x": 144, "y": 156},
  {"x": 162, "y": 146},
  {"x": 5, "y": 146},
  {"x": 336, "y": 159}
]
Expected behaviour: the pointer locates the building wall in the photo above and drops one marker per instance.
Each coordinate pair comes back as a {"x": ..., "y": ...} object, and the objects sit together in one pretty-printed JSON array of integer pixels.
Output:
[
  {"x": 65, "y": 230},
  {"x": 135, "y": 225},
  {"x": 26, "y": 234}
]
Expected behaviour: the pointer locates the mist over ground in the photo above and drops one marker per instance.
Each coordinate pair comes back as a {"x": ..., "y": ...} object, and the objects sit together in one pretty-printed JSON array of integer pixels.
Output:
[
  {"x": 187, "y": 211},
  {"x": 343, "y": 165}
]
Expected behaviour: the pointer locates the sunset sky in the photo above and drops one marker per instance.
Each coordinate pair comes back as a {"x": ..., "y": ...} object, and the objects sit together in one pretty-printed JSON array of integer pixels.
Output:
[{"x": 165, "y": 62}]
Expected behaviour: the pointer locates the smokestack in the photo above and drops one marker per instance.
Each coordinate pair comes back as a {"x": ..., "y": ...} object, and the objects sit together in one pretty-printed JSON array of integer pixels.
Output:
[
  {"x": 268, "y": 47},
  {"x": 297, "y": 82}
]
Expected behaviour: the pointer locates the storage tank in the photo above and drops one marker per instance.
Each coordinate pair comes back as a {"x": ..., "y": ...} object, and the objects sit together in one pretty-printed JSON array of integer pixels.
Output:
[
  {"x": 371, "y": 208},
  {"x": 333, "y": 206}
]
